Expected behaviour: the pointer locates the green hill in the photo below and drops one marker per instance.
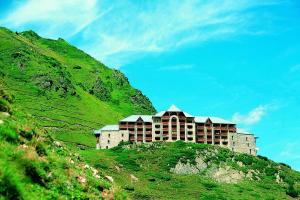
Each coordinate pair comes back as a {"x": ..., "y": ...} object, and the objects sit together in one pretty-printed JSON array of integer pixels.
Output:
[
  {"x": 65, "y": 89},
  {"x": 52, "y": 95}
]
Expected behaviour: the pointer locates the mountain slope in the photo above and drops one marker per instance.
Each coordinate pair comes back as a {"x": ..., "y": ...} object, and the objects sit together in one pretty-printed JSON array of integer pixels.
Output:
[
  {"x": 194, "y": 171},
  {"x": 65, "y": 89}
]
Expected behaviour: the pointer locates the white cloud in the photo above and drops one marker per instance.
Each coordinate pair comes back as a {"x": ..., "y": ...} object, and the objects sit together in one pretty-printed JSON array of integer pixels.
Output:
[
  {"x": 53, "y": 18},
  {"x": 254, "y": 116},
  {"x": 119, "y": 32}
]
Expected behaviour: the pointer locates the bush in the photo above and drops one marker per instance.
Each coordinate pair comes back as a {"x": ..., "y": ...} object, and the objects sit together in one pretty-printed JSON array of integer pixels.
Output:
[
  {"x": 9, "y": 134},
  {"x": 40, "y": 150},
  {"x": 10, "y": 186},
  {"x": 209, "y": 185},
  {"x": 4, "y": 106},
  {"x": 245, "y": 159},
  {"x": 292, "y": 192},
  {"x": 286, "y": 165},
  {"x": 28, "y": 134},
  {"x": 36, "y": 171},
  {"x": 263, "y": 158}
]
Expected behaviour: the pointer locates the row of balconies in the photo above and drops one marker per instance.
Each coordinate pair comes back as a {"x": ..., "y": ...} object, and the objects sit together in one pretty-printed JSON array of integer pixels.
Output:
[{"x": 125, "y": 126}]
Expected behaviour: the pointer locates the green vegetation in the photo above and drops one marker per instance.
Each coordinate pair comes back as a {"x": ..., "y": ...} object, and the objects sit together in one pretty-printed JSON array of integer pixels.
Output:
[
  {"x": 34, "y": 166},
  {"x": 52, "y": 95},
  {"x": 65, "y": 89},
  {"x": 151, "y": 164}
]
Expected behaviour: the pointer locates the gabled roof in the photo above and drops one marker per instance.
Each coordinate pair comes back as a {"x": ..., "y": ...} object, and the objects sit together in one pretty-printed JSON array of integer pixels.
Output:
[
  {"x": 134, "y": 118},
  {"x": 159, "y": 114},
  {"x": 173, "y": 108},
  {"x": 218, "y": 120},
  {"x": 107, "y": 128},
  {"x": 200, "y": 119},
  {"x": 215, "y": 120},
  {"x": 187, "y": 114}
]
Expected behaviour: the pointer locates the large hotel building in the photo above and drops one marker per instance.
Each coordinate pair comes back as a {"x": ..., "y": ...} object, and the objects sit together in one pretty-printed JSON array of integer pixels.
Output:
[{"x": 175, "y": 124}]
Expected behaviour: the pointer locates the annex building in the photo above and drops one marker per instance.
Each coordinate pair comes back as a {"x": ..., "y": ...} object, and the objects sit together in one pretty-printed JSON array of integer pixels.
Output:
[{"x": 174, "y": 124}]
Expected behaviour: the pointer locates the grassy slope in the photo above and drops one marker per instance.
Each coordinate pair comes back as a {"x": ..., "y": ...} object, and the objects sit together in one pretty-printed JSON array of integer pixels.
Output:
[
  {"x": 151, "y": 165},
  {"x": 64, "y": 88},
  {"x": 34, "y": 166}
]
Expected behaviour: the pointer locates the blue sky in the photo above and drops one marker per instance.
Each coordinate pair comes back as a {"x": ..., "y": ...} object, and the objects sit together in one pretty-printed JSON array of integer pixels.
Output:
[{"x": 236, "y": 59}]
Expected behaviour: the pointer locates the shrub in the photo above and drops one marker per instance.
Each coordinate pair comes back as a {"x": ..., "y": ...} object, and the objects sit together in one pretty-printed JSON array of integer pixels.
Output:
[
  {"x": 245, "y": 159},
  {"x": 40, "y": 149},
  {"x": 286, "y": 165},
  {"x": 291, "y": 191},
  {"x": 270, "y": 171},
  {"x": 263, "y": 158},
  {"x": 36, "y": 171},
  {"x": 9, "y": 134},
  {"x": 10, "y": 185},
  {"x": 28, "y": 134},
  {"x": 209, "y": 185},
  {"x": 4, "y": 106}
]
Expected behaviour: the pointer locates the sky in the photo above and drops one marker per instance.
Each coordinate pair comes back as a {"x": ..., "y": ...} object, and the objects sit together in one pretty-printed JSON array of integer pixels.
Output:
[{"x": 235, "y": 59}]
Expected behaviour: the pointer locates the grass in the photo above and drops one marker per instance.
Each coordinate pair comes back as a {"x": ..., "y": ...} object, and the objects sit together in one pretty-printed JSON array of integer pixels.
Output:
[
  {"x": 65, "y": 89},
  {"x": 151, "y": 164}
]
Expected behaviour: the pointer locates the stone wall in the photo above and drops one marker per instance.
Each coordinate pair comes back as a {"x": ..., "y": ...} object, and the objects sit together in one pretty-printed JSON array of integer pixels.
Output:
[{"x": 109, "y": 139}]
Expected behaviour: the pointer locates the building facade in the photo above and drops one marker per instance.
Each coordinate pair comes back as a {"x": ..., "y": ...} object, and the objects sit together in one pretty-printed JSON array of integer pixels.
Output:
[{"x": 174, "y": 124}]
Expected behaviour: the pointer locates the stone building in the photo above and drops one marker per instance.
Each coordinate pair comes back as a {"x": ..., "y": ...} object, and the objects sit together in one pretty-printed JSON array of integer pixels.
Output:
[{"x": 174, "y": 124}]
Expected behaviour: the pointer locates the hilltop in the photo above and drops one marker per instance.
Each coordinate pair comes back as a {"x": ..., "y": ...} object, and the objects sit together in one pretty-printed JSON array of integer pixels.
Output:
[
  {"x": 52, "y": 95},
  {"x": 64, "y": 88}
]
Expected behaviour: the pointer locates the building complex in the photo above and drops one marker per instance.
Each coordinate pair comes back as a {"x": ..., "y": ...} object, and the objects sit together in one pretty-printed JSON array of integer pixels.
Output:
[{"x": 175, "y": 124}]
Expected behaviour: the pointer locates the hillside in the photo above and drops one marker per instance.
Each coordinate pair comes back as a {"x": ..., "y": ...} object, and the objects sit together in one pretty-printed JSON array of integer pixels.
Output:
[
  {"x": 52, "y": 95},
  {"x": 65, "y": 89}
]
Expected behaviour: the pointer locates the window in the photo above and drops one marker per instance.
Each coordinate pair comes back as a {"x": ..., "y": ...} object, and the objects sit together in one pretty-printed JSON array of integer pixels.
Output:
[
  {"x": 232, "y": 137},
  {"x": 248, "y": 144},
  {"x": 250, "y": 151},
  {"x": 109, "y": 135},
  {"x": 157, "y": 126},
  {"x": 122, "y": 134},
  {"x": 106, "y": 147},
  {"x": 233, "y": 143},
  {"x": 246, "y": 138},
  {"x": 108, "y": 141}
]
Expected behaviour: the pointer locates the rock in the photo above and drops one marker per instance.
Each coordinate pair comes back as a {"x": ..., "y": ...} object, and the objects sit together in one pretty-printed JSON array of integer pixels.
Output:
[
  {"x": 200, "y": 164},
  {"x": 57, "y": 143},
  {"x": 240, "y": 163},
  {"x": 226, "y": 175},
  {"x": 109, "y": 178},
  {"x": 278, "y": 178},
  {"x": 118, "y": 168},
  {"x": 6, "y": 114},
  {"x": 133, "y": 178},
  {"x": 182, "y": 168},
  {"x": 81, "y": 179}
]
